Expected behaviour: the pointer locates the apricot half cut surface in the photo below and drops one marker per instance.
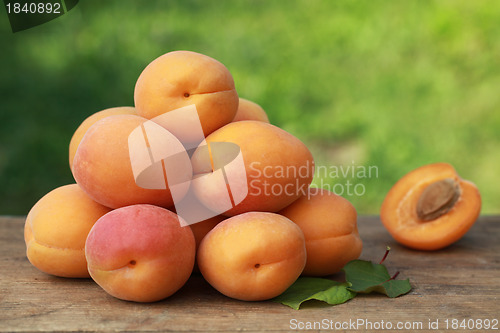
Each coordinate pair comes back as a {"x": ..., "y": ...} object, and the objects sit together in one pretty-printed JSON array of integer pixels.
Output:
[{"x": 431, "y": 207}]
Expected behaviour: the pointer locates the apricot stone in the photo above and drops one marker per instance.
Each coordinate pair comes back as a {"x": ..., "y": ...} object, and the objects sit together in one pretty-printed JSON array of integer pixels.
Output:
[
  {"x": 253, "y": 256},
  {"x": 329, "y": 224},
  {"x": 56, "y": 229}
]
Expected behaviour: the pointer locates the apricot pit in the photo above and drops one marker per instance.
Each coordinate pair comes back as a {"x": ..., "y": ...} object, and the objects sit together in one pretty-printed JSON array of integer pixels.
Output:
[{"x": 437, "y": 199}]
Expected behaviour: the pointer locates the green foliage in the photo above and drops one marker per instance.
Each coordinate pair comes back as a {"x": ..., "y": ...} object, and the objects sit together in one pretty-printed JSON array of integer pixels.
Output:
[
  {"x": 310, "y": 288},
  {"x": 390, "y": 84},
  {"x": 366, "y": 277},
  {"x": 361, "y": 276}
]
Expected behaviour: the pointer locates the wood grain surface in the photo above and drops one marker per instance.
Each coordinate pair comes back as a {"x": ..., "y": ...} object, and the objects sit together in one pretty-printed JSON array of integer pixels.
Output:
[{"x": 458, "y": 283}]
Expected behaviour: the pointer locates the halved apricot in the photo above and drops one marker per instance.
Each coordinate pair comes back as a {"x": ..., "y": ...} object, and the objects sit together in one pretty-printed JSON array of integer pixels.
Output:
[{"x": 431, "y": 207}]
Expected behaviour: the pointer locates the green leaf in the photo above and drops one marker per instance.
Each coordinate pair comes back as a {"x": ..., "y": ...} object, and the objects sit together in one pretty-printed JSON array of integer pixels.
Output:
[
  {"x": 366, "y": 277},
  {"x": 395, "y": 288},
  {"x": 309, "y": 288},
  {"x": 361, "y": 277}
]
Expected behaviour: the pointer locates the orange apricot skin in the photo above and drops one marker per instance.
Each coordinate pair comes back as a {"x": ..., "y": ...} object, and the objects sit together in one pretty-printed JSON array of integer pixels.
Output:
[
  {"x": 275, "y": 161},
  {"x": 91, "y": 120},
  {"x": 201, "y": 229},
  {"x": 329, "y": 224},
  {"x": 248, "y": 110},
  {"x": 102, "y": 165},
  {"x": 181, "y": 78},
  {"x": 56, "y": 229},
  {"x": 254, "y": 256},
  {"x": 399, "y": 214}
]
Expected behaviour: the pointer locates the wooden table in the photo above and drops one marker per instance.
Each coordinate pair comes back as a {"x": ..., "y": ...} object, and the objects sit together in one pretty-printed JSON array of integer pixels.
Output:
[{"x": 459, "y": 283}]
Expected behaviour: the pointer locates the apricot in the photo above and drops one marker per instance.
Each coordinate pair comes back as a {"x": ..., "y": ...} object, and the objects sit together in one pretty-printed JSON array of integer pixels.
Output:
[
  {"x": 328, "y": 222},
  {"x": 140, "y": 253},
  {"x": 253, "y": 256},
  {"x": 102, "y": 165},
  {"x": 248, "y": 110},
  {"x": 56, "y": 228},
  {"x": 276, "y": 169},
  {"x": 181, "y": 78},
  {"x": 91, "y": 120},
  {"x": 431, "y": 207},
  {"x": 201, "y": 229}
]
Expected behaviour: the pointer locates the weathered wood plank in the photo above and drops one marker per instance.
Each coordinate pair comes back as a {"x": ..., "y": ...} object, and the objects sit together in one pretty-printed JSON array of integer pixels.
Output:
[{"x": 459, "y": 282}]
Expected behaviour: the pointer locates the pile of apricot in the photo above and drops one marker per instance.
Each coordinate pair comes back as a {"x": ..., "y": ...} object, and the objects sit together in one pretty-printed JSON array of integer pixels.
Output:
[{"x": 134, "y": 240}]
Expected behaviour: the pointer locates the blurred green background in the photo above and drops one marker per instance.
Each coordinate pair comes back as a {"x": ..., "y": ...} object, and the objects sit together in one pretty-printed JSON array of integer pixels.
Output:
[{"x": 388, "y": 84}]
